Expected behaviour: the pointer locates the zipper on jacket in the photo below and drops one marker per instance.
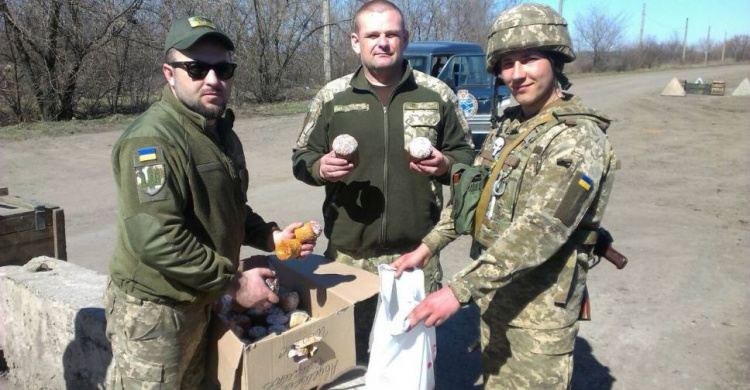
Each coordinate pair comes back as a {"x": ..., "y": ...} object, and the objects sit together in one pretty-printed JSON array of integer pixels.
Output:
[{"x": 383, "y": 224}]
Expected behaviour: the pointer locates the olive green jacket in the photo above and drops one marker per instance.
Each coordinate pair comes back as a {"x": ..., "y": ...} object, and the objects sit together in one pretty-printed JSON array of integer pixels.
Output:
[
  {"x": 382, "y": 204},
  {"x": 183, "y": 216}
]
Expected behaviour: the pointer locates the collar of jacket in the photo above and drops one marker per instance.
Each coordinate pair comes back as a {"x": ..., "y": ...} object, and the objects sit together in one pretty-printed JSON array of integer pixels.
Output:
[
  {"x": 186, "y": 115},
  {"x": 568, "y": 105},
  {"x": 359, "y": 81}
]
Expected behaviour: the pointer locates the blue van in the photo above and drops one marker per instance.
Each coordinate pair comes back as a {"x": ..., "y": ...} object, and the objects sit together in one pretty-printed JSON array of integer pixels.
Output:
[{"x": 461, "y": 65}]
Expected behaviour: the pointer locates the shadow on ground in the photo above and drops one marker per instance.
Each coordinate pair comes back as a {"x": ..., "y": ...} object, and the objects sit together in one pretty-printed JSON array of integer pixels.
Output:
[
  {"x": 456, "y": 367},
  {"x": 588, "y": 373}
]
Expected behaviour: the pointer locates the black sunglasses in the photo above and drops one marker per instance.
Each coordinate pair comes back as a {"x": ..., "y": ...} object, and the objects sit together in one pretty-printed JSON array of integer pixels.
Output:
[{"x": 198, "y": 70}]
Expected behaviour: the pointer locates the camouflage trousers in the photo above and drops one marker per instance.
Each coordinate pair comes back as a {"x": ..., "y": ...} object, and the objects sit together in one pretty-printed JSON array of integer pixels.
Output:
[
  {"x": 155, "y": 346},
  {"x": 364, "y": 312},
  {"x": 518, "y": 358}
]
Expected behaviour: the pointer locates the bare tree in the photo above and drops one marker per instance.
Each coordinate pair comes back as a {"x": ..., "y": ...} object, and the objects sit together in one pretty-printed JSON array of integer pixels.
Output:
[
  {"x": 276, "y": 31},
  {"x": 60, "y": 58},
  {"x": 424, "y": 19},
  {"x": 54, "y": 37},
  {"x": 11, "y": 84},
  {"x": 600, "y": 33},
  {"x": 739, "y": 47},
  {"x": 467, "y": 20}
]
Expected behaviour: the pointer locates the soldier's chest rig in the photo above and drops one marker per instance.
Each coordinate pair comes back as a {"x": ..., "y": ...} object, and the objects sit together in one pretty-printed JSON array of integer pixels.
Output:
[{"x": 514, "y": 154}]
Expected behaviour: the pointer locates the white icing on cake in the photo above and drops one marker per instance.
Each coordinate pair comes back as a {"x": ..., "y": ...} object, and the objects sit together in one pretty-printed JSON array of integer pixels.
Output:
[
  {"x": 420, "y": 148},
  {"x": 345, "y": 145}
]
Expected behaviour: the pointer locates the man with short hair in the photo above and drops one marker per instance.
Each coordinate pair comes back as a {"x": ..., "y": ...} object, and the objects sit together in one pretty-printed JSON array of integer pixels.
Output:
[
  {"x": 534, "y": 228},
  {"x": 381, "y": 207},
  {"x": 182, "y": 181}
]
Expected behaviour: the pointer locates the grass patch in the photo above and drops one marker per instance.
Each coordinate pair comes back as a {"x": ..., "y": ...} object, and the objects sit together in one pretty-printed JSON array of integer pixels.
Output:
[
  {"x": 273, "y": 109},
  {"x": 61, "y": 128},
  {"x": 118, "y": 122}
]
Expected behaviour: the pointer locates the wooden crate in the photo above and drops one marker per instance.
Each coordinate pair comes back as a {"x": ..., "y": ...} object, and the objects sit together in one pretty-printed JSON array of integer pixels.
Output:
[
  {"x": 29, "y": 229},
  {"x": 697, "y": 88},
  {"x": 717, "y": 88}
]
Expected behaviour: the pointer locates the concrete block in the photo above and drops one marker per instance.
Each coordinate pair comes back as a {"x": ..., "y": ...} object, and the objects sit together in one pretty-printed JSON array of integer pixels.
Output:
[{"x": 53, "y": 325}]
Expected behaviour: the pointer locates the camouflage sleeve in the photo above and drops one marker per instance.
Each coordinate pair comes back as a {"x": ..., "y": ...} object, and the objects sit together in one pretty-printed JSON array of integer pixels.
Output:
[
  {"x": 457, "y": 142},
  {"x": 151, "y": 203},
  {"x": 258, "y": 231},
  {"x": 565, "y": 185},
  {"x": 312, "y": 143},
  {"x": 443, "y": 233}
]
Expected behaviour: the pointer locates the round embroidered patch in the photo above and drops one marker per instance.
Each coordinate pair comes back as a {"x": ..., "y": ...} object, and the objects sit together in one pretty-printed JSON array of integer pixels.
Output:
[{"x": 468, "y": 103}]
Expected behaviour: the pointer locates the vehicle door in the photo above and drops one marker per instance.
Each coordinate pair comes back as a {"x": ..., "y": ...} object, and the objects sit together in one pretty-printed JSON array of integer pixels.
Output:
[
  {"x": 467, "y": 76},
  {"x": 419, "y": 62}
]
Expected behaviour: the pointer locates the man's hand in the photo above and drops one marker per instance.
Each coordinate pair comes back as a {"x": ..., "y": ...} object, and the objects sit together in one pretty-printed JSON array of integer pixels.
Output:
[
  {"x": 288, "y": 233},
  {"x": 333, "y": 169},
  {"x": 417, "y": 258},
  {"x": 436, "y": 165},
  {"x": 249, "y": 289},
  {"x": 435, "y": 309}
]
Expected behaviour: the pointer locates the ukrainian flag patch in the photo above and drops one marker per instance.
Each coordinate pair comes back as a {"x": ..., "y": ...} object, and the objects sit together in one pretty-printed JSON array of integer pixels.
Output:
[
  {"x": 146, "y": 154},
  {"x": 585, "y": 182}
]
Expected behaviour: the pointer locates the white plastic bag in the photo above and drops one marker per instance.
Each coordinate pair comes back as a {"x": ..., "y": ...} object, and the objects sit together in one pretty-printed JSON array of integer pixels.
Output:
[{"x": 400, "y": 359}]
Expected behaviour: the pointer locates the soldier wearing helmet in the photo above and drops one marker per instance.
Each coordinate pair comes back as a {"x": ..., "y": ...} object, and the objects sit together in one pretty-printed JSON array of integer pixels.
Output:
[{"x": 549, "y": 169}]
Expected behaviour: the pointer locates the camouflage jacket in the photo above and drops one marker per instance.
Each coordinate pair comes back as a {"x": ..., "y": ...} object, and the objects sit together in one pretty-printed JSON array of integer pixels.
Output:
[
  {"x": 532, "y": 249},
  {"x": 183, "y": 216},
  {"x": 382, "y": 204}
]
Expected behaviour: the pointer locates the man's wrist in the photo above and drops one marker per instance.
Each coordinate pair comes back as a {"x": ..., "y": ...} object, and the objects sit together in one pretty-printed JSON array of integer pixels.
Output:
[
  {"x": 275, "y": 231},
  {"x": 447, "y": 163},
  {"x": 234, "y": 284},
  {"x": 316, "y": 172}
]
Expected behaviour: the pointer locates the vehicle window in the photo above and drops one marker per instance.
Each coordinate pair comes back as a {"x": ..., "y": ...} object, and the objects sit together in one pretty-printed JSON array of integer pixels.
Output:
[
  {"x": 465, "y": 70},
  {"x": 419, "y": 63},
  {"x": 438, "y": 62}
]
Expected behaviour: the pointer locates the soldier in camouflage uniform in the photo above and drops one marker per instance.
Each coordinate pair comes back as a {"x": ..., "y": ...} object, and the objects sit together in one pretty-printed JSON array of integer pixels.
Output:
[
  {"x": 382, "y": 208},
  {"x": 534, "y": 236},
  {"x": 181, "y": 180}
]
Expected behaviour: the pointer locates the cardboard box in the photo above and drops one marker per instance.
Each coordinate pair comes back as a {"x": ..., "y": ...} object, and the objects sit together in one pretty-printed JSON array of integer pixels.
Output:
[
  {"x": 29, "y": 229},
  {"x": 328, "y": 291}
]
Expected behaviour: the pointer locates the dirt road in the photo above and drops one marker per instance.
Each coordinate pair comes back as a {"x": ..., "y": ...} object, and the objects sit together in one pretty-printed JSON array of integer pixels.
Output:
[{"x": 676, "y": 318}]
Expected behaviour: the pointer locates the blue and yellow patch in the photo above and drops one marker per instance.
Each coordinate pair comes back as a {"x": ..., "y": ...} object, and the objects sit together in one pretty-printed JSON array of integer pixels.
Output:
[
  {"x": 146, "y": 154},
  {"x": 585, "y": 182}
]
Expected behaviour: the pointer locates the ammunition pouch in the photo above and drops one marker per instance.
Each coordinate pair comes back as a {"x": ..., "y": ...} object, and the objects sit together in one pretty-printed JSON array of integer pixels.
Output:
[{"x": 467, "y": 183}]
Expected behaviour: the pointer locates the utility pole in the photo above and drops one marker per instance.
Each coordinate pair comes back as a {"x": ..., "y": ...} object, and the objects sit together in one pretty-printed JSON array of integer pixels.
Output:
[
  {"x": 724, "y": 46},
  {"x": 684, "y": 41},
  {"x": 559, "y": 7},
  {"x": 643, "y": 21},
  {"x": 327, "y": 40},
  {"x": 708, "y": 46}
]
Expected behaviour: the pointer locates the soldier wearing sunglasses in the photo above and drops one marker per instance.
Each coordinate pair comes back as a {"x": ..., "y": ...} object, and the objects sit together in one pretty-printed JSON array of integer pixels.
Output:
[{"x": 182, "y": 181}]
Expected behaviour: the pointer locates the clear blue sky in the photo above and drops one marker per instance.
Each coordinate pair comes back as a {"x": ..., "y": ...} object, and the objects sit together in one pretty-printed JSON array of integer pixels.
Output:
[{"x": 667, "y": 17}]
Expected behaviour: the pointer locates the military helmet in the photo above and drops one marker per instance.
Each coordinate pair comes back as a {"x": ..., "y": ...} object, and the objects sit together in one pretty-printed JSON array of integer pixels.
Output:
[{"x": 528, "y": 26}]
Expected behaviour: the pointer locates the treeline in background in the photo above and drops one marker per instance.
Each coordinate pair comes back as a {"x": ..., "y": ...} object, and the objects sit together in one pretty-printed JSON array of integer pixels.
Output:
[{"x": 65, "y": 59}]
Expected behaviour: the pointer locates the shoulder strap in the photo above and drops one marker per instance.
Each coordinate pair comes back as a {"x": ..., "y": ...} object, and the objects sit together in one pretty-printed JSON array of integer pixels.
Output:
[{"x": 484, "y": 200}]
